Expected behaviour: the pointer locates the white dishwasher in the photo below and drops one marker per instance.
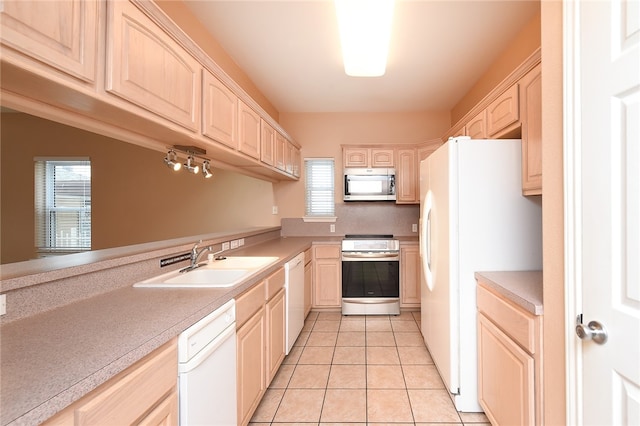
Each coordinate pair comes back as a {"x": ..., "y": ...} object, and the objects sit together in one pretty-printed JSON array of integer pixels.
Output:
[
  {"x": 207, "y": 370},
  {"x": 294, "y": 296}
]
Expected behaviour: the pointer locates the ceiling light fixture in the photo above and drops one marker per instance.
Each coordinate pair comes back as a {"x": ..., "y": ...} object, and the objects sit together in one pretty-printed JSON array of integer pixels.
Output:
[
  {"x": 191, "y": 165},
  {"x": 365, "y": 33},
  {"x": 206, "y": 169},
  {"x": 171, "y": 160}
]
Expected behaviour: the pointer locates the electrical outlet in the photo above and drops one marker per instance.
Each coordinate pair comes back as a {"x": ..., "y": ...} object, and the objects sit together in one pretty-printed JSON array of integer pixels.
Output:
[
  {"x": 3, "y": 304},
  {"x": 234, "y": 244},
  {"x": 225, "y": 245},
  {"x": 414, "y": 227},
  {"x": 240, "y": 242},
  {"x": 332, "y": 228},
  {"x": 274, "y": 210}
]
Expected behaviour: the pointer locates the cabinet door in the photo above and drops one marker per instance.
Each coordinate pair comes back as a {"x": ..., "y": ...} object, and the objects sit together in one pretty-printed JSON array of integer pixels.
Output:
[
  {"x": 476, "y": 128},
  {"x": 267, "y": 144},
  {"x": 289, "y": 158},
  {"x": 407, "y": 177},
  {"x": 327, "y": 284},
  {"x": 248, "y": 131},
  {"x": 251, "y": 365},
  {"x": 62, "y": 35},
  {"x": 409, "y": 276},
  {"x": 503, "y": 113},
  {"x": 148, "y": 68},
  {"x": 281, "y": 145},
  {"x": 381, "y": 157},
  {"x": 220, "y": 111},
  {"x": 505, "y": 377},
  {"x": 275, "y": 313},
  {"x": 531, "y": 102},
  {"x": 296, "y": 161},
  {"x": 356, "y": 157}
]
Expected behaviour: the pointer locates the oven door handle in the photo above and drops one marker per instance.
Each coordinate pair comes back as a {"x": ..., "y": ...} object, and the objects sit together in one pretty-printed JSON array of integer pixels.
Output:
[
  {"x": 370, "y": 256},
  {"x": 375, "y": 301}
]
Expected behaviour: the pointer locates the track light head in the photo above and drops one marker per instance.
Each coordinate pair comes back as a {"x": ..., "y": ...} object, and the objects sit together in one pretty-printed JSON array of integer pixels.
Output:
[
  {"x": 191, "y": 165},
  {"x": 171, "y": 160},
  {"x": 206, "y": 169}
]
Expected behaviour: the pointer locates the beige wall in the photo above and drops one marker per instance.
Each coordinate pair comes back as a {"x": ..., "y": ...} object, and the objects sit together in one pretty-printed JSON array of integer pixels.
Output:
[
  {"x": 522, "y": 46},
  {"x": 553, "y": 214},
  {"x": 189, "y": 23},
  {"x": 321, "y": 135},
  {"x": 135, "y": 197}
]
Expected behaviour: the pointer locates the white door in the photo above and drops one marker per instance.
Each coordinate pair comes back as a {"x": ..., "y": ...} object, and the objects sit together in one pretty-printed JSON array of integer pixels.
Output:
[{"x": 602, "y": 147}]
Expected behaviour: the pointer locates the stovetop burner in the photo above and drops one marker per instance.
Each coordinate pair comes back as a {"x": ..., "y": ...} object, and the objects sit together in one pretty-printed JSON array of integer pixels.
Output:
[{"x": 368, "y": 236}]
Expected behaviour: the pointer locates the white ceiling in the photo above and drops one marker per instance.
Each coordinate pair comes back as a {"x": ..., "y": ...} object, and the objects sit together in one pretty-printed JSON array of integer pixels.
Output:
[{"x": 290, "y": 50}]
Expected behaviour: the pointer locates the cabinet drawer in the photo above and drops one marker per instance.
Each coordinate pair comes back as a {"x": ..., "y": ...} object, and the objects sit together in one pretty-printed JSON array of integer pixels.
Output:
[
  {"x": 518, "y": 324},
  {"x": 274, "y": 283},
  {"x": 326, "y": 252},
  {"x": 248, "y": 303},
  {"x": 124, "y": 401}
]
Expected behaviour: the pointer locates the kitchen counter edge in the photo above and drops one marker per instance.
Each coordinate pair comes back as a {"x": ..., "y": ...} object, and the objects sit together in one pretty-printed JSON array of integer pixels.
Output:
[{"x": 524, "y": 288}]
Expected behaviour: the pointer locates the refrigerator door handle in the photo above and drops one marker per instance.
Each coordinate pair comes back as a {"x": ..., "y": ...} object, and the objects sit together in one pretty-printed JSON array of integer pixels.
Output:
[{"x": 425, "y": 246}]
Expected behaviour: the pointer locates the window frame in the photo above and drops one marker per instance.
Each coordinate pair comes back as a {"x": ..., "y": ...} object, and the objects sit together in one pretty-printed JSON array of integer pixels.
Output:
[{"x": 310, "y": 216}]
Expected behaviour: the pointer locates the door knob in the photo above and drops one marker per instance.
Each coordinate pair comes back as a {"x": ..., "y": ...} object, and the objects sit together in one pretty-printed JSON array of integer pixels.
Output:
[{"x": 592, "y": 331}]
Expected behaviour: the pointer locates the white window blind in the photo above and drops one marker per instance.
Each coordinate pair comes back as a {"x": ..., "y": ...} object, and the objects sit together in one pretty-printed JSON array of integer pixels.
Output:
[
  {"x": 62, "y": 205},
  {"x": 319, "y": 183}
]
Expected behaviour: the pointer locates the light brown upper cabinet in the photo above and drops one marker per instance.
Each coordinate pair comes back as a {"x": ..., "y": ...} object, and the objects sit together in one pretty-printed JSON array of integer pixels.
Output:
[
  {"x": 281, "y": 147},
  {"x": 59, "y": 35},
  {"x": 267, "y": 144},
  {"x": 503, "y": 113},
  {"x": 531, "y": 109},
  {"x": 407, "y": 177},
  {"x": 368, "y": 157},
  {"x": 476, "y": 128},
  {"x": 219, "y": 111},
  {"x": 149, "y": 68},
  {"x": 248, "y": 131}
]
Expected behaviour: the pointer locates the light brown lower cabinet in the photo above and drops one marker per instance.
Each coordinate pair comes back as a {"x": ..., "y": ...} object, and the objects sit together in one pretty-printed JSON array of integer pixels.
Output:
[
  {"x": 260, "y": 334},
  {"x": 509, "y": 361},
  {"x": 409, "y": 276},
  {"x": 251, "y": 365},
  {"x": 308, "y": 280},
  {"x": 144, "y": 394},
  {"x": 276, "y": 328},
  {"x": 327, "y": 271}
]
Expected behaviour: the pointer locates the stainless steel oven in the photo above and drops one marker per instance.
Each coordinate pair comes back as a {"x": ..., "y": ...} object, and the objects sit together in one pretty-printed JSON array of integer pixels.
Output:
[{"x": 370, "y": 275}]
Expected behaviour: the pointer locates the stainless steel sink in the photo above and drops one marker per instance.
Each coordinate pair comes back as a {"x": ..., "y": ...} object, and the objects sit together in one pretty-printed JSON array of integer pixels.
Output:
[{"x": 223, "y": 273}]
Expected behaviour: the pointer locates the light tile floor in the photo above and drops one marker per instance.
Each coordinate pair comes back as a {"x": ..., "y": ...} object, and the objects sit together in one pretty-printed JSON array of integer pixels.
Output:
[{"x": 360, "y": 370}]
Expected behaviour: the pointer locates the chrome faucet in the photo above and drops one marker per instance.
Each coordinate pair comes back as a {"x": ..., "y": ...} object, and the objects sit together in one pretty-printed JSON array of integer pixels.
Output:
[{"x": 195, "y": 255}]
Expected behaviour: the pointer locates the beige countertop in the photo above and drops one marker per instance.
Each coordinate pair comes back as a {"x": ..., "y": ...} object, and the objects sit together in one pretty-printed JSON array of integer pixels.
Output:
[
  {"x": 524, "y": 288},
  {"x": 51, "y": 359}
]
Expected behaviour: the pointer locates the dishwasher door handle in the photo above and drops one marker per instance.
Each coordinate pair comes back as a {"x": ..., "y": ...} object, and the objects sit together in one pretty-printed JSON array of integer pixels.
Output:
[{"x": 200, "y": 357}]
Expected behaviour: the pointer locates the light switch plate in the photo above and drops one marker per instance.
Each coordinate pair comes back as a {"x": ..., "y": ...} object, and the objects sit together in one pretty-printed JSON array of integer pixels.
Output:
[
  {"x": 274, "y": 210},
  {"x": 414, "y": 227},
  {"x": 332, "y": 228},
  {"x": 3, "y": 304}
]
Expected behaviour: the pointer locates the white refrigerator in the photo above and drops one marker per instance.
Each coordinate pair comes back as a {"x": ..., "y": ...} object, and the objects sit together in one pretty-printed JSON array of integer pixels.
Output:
[{"x": 473, "y": 217}]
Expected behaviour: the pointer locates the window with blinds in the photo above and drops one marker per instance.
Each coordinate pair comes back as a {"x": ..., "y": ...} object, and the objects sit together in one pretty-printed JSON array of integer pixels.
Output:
[
  {"x": 319, "y": 185},
  {"x": 62, "y": 205}
]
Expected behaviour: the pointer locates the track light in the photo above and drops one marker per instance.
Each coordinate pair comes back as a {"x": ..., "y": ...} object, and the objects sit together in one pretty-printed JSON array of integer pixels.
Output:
[
  {"x": 206, "y": 169},
  {"x": 191, "y": 165},
  {"x": 171, "y": 160}
]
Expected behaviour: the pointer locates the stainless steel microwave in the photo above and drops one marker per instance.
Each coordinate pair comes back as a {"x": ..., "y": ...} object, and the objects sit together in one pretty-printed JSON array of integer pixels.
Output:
[{"x": 376, "y": 184}]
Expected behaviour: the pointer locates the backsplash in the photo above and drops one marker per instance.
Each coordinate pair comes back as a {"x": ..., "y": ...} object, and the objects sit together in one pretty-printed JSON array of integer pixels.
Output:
[{"x": 359, "y": 218}]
